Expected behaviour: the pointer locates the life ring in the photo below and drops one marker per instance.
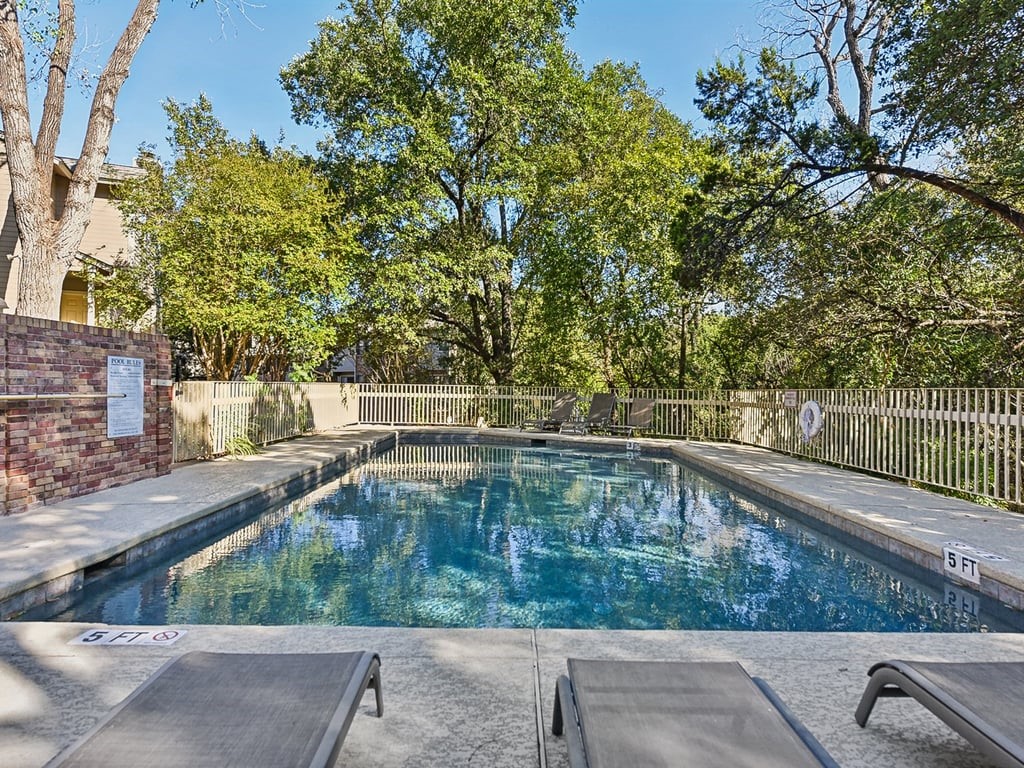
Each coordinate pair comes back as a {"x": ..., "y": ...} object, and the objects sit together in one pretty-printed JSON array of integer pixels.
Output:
[{"x": 811, "y": 420}]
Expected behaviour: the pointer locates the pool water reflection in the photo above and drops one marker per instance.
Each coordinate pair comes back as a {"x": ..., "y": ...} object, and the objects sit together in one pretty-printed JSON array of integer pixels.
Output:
[{"x": 497, "y": 536}]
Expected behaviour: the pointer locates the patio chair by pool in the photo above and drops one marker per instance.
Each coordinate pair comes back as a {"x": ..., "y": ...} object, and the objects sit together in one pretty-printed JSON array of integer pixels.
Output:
[
  {"x": 561, "y": 412},
  {"x": 641, "y": 414},
  {"x": 694, "y": 714},
  {"x": 982, "y": 701},
  {"x": 602, "y": 405},
  {"x": 234, "y": 709}
]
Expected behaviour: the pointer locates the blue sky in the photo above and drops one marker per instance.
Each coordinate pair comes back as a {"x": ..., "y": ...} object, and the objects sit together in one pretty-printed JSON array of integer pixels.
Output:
[{"x": 236, "y": 64}]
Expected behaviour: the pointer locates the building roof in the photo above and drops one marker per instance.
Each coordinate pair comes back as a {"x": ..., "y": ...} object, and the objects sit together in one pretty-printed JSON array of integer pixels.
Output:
[{"x": 110, "y": 173}]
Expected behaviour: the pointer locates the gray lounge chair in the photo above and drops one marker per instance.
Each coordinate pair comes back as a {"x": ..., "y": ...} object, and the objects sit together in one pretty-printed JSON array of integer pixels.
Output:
[
  {"x": 641, "y": 414},
  {"x": 234, "y": 709},
  {"x": 561, "y": 412},
  {"x": 982, "y": 701},
  {"x": 694, "y": 714},
  {"x": 602, "y": 405}
]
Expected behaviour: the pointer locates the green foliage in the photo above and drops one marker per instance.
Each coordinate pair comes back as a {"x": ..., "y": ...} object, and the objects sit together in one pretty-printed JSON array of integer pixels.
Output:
[
  {"x": 956, "y": 65},
  {"x": 240, "y": 445},
  {"x": 241, "y": 250},
  {"x": 763, "y": 109},
  {"x": 124, "y": 298},
  {"x": 831, "y": 264},
  {"x": 434, "y": 110},
  {"x": 600, "y": 277},
  {"x": 899, "y": 289},
  {"x": 773, "y": 109},
  {"x": 514, "y": 209}
]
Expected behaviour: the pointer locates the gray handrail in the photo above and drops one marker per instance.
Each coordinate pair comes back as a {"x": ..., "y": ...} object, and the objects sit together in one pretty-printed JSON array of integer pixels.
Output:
[{"x": 63, "y": 396}]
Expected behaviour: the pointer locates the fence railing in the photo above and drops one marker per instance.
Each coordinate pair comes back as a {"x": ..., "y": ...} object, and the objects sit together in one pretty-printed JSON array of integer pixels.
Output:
[
  {"x": 216, "y": 417},
  {"x": 451, "y": 404},
  {"x": 966, "y": 440},
  {"x": 678, "y": 413}
]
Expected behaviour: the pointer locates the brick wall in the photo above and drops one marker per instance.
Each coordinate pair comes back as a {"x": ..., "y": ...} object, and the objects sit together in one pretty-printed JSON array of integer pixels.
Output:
[{"x": 51, "y": 450}]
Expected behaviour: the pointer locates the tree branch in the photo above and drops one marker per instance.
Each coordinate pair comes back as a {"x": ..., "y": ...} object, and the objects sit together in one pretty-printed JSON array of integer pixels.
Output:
[
  {"x": 1007, "y": 213},
  {"x": 865, "y": 78},
  {"x": 82, "y": 187},
  {"x": 56, "y": 85},
  {"x": 823, "y": 47},
  {"x": 14, "y": 108}
]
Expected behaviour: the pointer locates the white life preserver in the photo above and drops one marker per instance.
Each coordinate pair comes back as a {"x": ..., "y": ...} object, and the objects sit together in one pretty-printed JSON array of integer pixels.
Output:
[{"x": 811, "y": 420}]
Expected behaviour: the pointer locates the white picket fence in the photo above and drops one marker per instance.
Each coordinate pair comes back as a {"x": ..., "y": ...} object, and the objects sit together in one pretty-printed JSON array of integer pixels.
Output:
[
  {"x": 217, "y": 417},
  {"x": 451, "y": 404},
  {"x": 965, "y": 440}
]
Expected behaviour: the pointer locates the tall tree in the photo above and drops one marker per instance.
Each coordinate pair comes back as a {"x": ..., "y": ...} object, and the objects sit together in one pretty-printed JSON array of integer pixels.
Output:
[
  {"x": 435, "y": 110},
  {"x": 904, "y": 286},
  {"x": 603, "y": 259},
  {"x": 49, "y": 240},
  {"x": 245, "y": 248},
  {"x": 882, "y": 234},
  {"x": 51, "y": 230},
  {"x": 880, "y": 137}
]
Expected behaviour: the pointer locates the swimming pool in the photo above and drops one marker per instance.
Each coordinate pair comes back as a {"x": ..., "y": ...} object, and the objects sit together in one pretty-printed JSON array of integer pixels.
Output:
[{"x": 501, "y": 536}]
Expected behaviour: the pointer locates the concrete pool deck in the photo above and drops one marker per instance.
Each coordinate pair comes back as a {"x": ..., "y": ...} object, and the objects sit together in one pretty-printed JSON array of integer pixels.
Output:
[{"x": 480, "y": 697}]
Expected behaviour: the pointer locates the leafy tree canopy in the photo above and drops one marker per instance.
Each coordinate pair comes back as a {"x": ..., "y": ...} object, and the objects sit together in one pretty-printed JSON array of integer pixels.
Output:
[
  {"x": 856, "y": 45},
  {"x": 861, "y": 224},
  {"x": 435, "y": 111},
  {"x": 955, "y": 66},
  {"x": 242, "y": 250}
]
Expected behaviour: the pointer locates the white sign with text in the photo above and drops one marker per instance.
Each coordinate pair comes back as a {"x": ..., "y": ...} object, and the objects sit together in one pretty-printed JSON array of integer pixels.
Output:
[
  {"x": 125, "y": 413},
  {"x": 977, "y": 552},
  {"x": 961, "y": 565}
]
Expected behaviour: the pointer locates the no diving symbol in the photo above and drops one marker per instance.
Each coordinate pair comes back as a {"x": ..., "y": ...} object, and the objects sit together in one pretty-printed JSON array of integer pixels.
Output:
[{"x": 166, "y": 636}]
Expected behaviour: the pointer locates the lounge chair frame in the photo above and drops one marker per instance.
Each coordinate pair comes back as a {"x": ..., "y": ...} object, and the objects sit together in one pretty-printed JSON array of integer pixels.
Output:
[
  {"x": 953, "y": 692},
  {"x": 191, "y": 690},
  {"x": 641, "y": 414},
  {"x": 602, "y": 406},
  {"x": 802, "y": 748},
  {"x": 561, "y": 412}
]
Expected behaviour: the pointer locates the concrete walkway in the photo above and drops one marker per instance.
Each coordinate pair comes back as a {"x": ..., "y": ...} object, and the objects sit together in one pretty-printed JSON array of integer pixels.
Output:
[{"x": 478, "y": 697}]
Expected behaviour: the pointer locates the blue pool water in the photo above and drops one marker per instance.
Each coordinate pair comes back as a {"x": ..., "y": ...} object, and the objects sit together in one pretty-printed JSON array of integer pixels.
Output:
[{"x": 495, "y": 536}]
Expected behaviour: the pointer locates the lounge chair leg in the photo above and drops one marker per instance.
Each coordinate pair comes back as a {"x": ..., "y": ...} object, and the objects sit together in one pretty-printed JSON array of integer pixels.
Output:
[
  {"x": 378, "y": 693},
  {"x": 556, "y": 716},
  {"x": 564, "y": 698},
  {"x": 880, "y": 685}
]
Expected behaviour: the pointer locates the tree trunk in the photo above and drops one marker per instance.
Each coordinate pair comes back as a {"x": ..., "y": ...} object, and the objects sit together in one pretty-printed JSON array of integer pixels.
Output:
[
  {"x": 49, "y": 245},
  {"x": 683, "y": 332},
  {"x": 42, "y": 275}
]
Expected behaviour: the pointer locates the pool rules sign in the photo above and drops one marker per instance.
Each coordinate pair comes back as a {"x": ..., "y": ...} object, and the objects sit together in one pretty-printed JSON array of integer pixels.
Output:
[{"x": 124, "y": 396}]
